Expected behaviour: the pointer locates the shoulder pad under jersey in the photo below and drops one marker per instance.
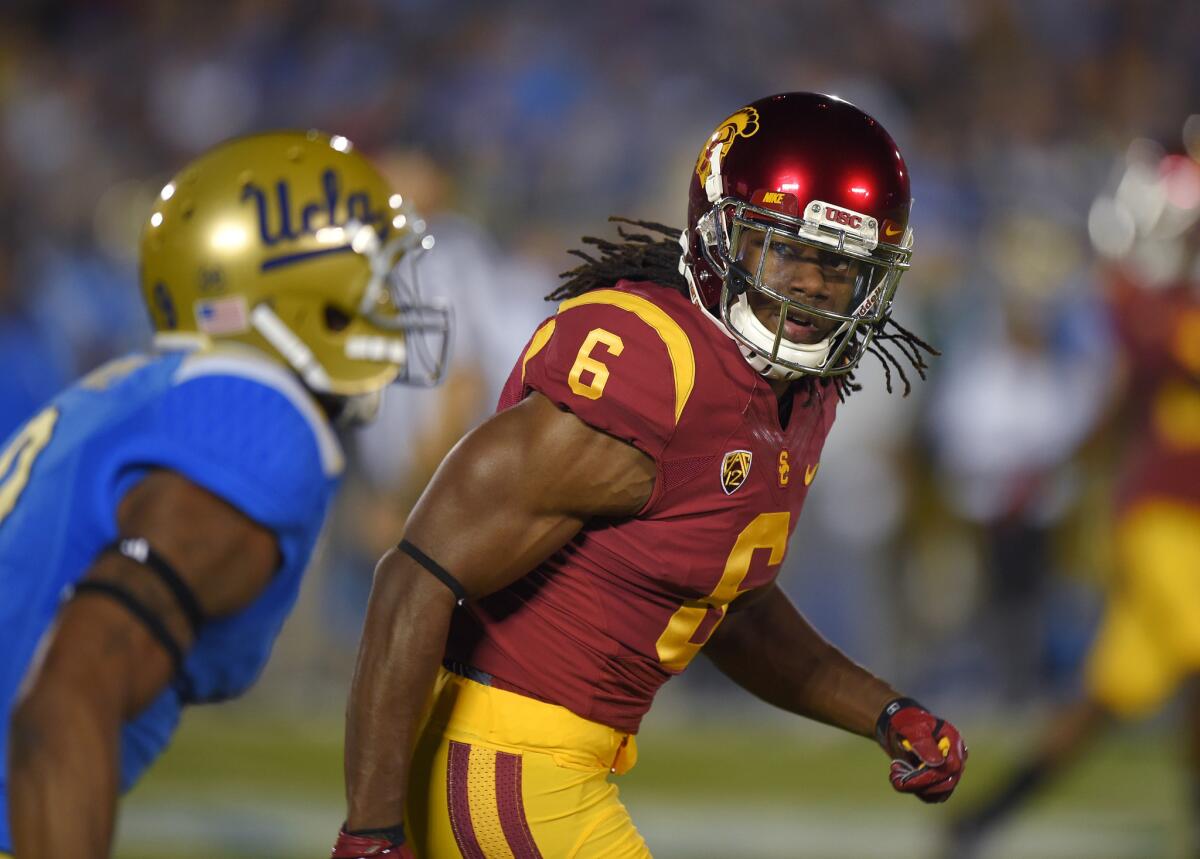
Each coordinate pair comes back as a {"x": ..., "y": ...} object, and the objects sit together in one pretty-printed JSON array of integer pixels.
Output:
[
  {"x": 619, "y": 361},
  {"x": 249, "y": 432}
]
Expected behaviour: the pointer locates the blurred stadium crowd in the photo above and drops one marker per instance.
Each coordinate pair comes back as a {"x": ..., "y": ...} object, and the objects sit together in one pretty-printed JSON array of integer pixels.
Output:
[{"x": 954, "y": 540}]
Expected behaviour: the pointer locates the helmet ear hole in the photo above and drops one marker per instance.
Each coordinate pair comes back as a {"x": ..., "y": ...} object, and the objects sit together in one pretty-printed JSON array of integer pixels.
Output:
[{"x": 336, "y": 319}]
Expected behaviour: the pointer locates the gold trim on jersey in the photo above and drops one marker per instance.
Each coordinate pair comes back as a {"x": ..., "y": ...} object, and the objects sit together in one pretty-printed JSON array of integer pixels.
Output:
[
  {"x": 679, "y": 348},
  {"x": 540, "y": 338}
]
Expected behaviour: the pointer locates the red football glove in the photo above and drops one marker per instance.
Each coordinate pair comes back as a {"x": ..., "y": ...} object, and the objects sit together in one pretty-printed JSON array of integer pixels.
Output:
[
  {"x": 928, "y": 755},
  {"x": 372, "y": 843}
]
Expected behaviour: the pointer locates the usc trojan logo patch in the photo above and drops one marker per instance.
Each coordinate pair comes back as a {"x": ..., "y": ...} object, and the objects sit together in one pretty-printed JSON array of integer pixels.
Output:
[
  {"x": 744, "y": 123},
  {"x": 735, "y": 468}
]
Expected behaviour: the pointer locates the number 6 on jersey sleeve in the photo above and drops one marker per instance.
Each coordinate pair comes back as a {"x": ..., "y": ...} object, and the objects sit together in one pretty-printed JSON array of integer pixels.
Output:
[{"x": 585, "y": 363}]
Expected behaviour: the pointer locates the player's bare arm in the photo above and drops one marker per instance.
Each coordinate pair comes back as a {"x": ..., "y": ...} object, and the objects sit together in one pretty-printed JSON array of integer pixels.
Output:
[
  {"x": 767, "y": 647},
  {"x": 102, "y": 665},
  {"x": 510, "y": 493},
  {"x": 771, "y": 650}
]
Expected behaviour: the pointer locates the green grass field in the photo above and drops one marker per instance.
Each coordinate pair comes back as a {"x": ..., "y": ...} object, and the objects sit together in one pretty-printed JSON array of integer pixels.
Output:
[{"x": 243, "y": 784}]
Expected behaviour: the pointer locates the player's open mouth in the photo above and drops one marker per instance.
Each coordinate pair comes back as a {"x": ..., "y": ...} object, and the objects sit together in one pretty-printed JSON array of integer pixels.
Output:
[{"x": 800, "y": 327}]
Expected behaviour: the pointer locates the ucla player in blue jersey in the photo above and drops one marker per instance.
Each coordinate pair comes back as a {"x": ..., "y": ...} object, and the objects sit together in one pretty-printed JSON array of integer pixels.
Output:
[{"x": 156, "y": 517}]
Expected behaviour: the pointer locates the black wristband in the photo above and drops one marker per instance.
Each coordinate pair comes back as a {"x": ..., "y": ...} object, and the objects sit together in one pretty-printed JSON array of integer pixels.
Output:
[
  {"x": 392, "y": 834},
  {"x": 885, "y": 717}
]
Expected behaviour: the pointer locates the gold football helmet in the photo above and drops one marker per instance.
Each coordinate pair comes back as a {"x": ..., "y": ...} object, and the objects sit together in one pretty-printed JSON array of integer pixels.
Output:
[{"x": 293, "y": 243}]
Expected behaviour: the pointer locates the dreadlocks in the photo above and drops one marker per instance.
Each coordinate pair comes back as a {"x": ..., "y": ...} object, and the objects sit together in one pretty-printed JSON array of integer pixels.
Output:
[
  {"x": 909, "y": 345},
  {"x": 642, "y": 256}
]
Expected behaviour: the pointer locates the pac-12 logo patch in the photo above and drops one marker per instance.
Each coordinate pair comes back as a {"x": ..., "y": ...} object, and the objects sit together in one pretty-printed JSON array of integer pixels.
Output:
[{"x": 735, "y": 468}]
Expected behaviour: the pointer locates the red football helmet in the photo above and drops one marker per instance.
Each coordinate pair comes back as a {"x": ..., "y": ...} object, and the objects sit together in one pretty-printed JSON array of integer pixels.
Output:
[
  {"x": 798, "y": 215},
  {"x": 1147, "y": 224}
]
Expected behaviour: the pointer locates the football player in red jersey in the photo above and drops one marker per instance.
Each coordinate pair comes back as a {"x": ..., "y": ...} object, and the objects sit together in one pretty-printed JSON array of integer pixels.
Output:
[
  {"x": 630, "y": 503},
  {"x": 1148, "y": 644}
]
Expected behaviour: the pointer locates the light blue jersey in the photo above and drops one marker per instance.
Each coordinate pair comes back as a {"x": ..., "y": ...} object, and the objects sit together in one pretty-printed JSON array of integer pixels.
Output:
[{"x": 232, "y": 422}]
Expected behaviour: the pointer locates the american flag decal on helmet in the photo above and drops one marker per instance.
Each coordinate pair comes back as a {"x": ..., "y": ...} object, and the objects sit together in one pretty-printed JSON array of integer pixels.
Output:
[
  {"x": 222, "y": 315},
  {"x": 735, "y": 468}
]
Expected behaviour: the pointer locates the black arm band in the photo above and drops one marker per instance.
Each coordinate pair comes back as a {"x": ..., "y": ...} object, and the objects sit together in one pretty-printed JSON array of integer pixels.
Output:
[
  {"x": 438, "y": 571},
  {"x": 392, "y": 834},
  {"x": 138, "y": 550},
  {"x": 148, "y": 618},
  {"x": 891, "y": 709}
]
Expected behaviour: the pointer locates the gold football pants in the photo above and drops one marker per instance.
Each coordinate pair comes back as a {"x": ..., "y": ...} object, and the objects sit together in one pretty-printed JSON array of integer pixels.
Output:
[
  {"x": 1149, "y": 640},
  {"x": 498, "y": 775}
]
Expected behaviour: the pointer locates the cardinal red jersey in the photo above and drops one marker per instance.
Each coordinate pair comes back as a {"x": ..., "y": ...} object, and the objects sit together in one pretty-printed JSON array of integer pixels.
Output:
[
  {"x": 605, "y": 621},
  {"x": 1159, "y": 331}
]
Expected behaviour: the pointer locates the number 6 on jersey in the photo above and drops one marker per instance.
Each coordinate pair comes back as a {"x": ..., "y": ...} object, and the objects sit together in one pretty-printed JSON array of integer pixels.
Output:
[
  {"x": 585, "y": 363},
  {"x": 676, "y": 646}
]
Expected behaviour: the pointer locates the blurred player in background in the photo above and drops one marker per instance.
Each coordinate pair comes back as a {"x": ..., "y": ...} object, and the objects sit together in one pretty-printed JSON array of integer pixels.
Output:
[
  {"x": 1148, "y": 645},
  {"x": 631, "y": 502},
  {"x": 156, "y": 517}
]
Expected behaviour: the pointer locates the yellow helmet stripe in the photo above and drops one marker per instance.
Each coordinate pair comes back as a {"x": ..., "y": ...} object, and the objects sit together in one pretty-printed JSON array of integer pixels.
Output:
[{"x": 679, "y": 348}]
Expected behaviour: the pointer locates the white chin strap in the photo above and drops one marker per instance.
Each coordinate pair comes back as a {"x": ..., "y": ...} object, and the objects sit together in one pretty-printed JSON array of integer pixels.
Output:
[
  {"x": 742, "y": 318},
  {"x": 292, "y": 348}
]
